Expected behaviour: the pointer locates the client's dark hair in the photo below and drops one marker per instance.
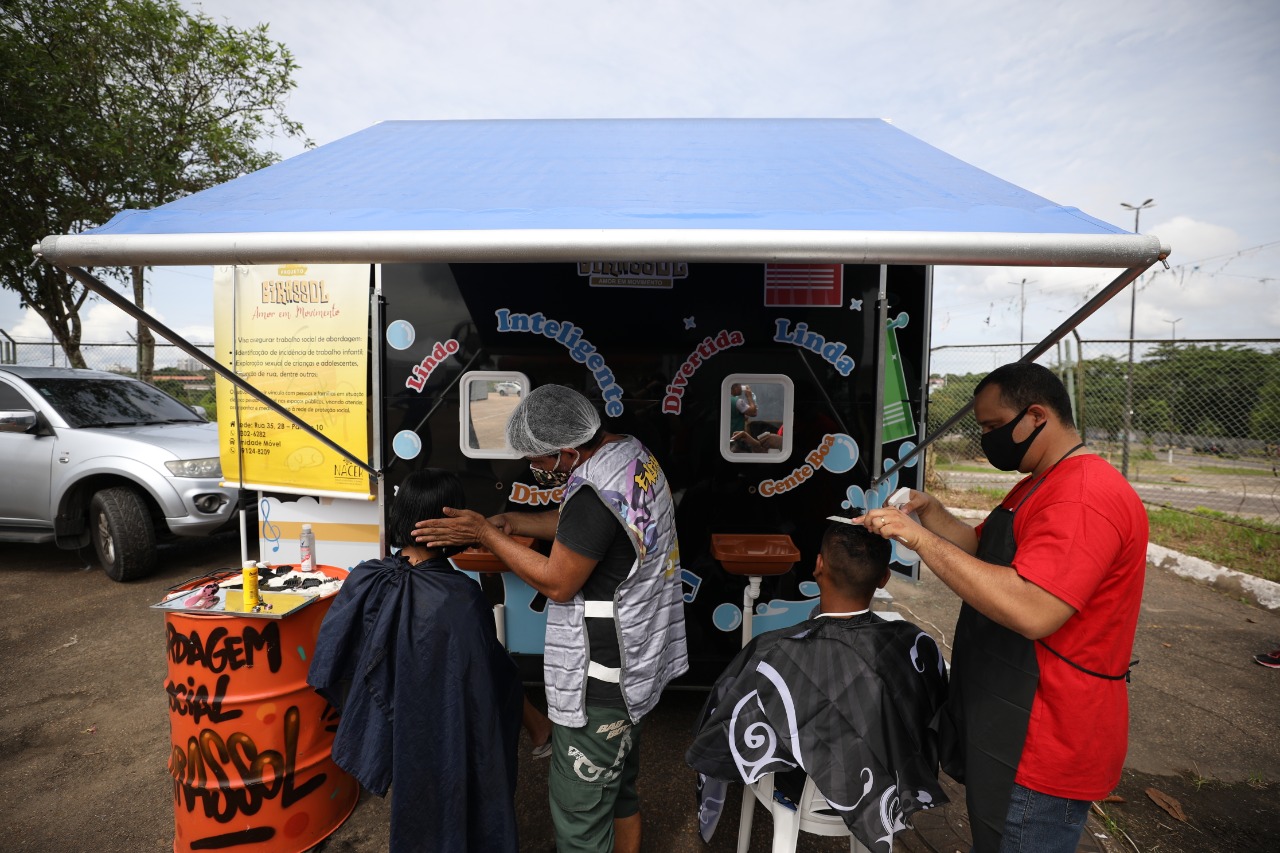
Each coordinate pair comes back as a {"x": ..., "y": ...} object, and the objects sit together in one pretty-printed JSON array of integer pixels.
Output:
[
  {"x": 855, "y": 557},
  {"x": 1022, "y": 384},
  {"x": 423, "y": 494}
]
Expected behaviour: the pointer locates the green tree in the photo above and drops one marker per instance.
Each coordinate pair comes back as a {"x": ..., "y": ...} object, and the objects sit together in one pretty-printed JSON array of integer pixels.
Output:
[
  {"x": 1264, "y": 421},
  {"x": 1210, "y": 389},
  {"x": 107, "y": 105},
  {"x": 951, "y": 393},
  {"x": 1104, "y": 394}
]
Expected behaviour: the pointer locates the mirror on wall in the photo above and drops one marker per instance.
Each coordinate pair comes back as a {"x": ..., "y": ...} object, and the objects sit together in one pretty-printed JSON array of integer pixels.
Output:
[
  {"x": 755, "y": 417},
  {"x": 488, "y": 398}
]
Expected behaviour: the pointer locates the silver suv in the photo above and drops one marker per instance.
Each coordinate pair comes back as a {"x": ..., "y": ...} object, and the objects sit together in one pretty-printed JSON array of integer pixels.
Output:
[{"x": 92, "y": 456}]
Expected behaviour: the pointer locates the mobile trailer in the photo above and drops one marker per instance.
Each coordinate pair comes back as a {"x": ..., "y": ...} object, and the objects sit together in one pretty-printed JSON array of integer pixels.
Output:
[
  {"x": 648, "y": 240},
  {"x": 660, "y": 346}
]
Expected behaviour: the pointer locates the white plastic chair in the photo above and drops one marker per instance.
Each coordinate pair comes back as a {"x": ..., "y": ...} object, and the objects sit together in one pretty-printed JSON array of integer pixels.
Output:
[{"x": 789, "y": 823}]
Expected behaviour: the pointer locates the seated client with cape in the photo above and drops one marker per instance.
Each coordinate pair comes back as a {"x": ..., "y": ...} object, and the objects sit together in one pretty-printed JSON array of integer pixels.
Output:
[
  {"x": 847, "y": 698},
  {"x": 430, "y": 700}
]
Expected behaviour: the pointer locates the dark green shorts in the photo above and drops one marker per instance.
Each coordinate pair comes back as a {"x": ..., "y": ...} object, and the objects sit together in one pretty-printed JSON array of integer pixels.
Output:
[{"x": 593, "y": 779}]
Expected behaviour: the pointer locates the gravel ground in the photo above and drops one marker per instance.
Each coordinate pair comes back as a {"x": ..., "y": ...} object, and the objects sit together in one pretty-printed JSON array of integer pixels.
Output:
[{"x": 84, "y": 725}]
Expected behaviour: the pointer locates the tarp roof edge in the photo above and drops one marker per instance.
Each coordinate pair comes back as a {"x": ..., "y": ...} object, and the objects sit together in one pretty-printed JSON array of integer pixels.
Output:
[{"x": 571, "y": 245}]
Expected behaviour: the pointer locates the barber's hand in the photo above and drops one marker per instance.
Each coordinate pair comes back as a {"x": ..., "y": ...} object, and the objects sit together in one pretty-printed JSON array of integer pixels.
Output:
[
  {"x": 921, "y": 503},
  {"x": 459, "y": 527},
  {"x": 892, "y": 524},
  {"x": 916, "y": 502},
  {"x": 504, "y": 521}
]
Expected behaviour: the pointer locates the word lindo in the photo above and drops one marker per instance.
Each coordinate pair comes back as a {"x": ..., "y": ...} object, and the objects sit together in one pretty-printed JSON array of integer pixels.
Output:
[
  {"x": 801, "y": 336},
  {"x": 769, "y": 488},
  {"x": 580, "y": 350},
  {"x": 423, "y": 370},
  {"x": 673, "y": 401},
  {"x": 524, "y": 494}
]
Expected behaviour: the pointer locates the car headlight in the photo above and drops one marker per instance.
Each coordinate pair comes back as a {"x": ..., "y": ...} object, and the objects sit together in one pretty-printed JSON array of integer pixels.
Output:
[{"x": 195, "y": 468}]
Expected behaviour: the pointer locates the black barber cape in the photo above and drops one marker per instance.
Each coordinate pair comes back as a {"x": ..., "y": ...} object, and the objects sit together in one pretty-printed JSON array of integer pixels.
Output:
[
  {"x": 851, "y": 702},
  {"x": 430, "y": 701}
]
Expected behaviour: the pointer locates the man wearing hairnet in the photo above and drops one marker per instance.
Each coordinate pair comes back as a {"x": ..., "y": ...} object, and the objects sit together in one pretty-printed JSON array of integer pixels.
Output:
[{"x": 615, "y": 614}]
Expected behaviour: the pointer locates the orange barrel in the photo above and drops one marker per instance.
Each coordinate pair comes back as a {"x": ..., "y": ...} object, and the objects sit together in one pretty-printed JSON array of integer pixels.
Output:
[{"x": 251, "y": 741}]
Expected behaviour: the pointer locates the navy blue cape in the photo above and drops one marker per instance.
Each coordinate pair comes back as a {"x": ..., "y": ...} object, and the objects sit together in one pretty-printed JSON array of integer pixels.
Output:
[{"x": 430, "y": 702}]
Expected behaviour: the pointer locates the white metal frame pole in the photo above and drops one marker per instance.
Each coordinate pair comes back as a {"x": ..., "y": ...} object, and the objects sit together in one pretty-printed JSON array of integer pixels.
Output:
[{"x": 1128, "y": 378}]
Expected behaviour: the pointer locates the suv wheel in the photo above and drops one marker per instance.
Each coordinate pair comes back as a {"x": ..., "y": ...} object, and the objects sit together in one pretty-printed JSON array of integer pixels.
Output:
[{"x": 122, "y": 534}]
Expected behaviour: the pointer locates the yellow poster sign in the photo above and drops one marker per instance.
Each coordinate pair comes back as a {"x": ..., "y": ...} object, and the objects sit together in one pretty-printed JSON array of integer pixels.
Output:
[{"x": 298, "y": 333}]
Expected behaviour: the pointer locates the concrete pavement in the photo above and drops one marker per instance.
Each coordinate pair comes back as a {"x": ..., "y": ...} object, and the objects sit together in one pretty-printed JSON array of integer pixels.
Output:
[
  {"x": 84, "y": 734},
  {"x": 1199, "y": 705}
]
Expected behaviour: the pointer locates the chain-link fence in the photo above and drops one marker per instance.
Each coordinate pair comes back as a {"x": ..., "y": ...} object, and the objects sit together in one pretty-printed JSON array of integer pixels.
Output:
[
  {"x": 1203, "y": 424},
  {"x": 1204, "y": 428},
  {"x": 175, "y": 372}
]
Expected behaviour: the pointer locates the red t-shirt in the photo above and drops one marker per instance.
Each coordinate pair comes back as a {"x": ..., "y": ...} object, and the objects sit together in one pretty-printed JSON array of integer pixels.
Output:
[{"x": 1082, "y": 536}]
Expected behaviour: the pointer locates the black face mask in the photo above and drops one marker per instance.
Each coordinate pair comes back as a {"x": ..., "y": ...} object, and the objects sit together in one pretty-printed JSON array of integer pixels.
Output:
[
  {"x": 1000, "y": 448},
  {"x": 553, "y": 479}
]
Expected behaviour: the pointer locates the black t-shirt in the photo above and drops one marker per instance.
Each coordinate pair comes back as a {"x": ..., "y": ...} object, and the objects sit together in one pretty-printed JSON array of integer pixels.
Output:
[{"x": 590, "y": 528}]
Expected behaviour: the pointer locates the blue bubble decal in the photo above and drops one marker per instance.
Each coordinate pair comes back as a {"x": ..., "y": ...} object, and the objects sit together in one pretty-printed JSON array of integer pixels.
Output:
[
  {"x": 842, "y": 456},
  {"x": 406, "y": 444},
  {"x": 400, "y": 334},
  {"x": 727, "y": 617}
]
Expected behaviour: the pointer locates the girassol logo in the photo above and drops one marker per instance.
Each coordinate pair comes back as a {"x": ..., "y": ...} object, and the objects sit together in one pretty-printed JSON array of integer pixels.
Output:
[
  {"x": 291, "y": 287},
  {"x": 659, "y": 274}
]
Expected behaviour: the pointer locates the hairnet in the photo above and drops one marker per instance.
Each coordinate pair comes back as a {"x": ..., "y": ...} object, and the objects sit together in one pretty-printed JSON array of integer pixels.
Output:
[{"x": 551, "y": 417}]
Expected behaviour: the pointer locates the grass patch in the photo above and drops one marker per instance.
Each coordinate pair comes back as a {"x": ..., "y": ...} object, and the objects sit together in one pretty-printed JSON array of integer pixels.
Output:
[
  {"x": 1224, "y": 470},
  {"x": 974, "y": 468},
  {"x": 1246, "y": 545},
  {"x": 981, "y": 497}
]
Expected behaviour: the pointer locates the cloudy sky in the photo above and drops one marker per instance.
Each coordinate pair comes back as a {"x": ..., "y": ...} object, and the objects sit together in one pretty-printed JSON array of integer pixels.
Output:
[{"x": 1087, "y": 103}]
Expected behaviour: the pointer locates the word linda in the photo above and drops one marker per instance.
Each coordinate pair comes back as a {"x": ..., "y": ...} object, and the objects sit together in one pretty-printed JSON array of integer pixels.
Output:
[
  {"x": 812, "y": 462},
  {"x": 422, "y": 371},
  {"x": 523, "y": 494},
  {"x": 580, "y": 350},
  {"x": 801, "y": 336},
  {"x": 673, "y": 402}
]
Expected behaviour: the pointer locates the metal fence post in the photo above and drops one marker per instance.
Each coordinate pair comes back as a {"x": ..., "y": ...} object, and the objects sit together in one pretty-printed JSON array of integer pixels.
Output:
[{"x": 1128, "y": 386}]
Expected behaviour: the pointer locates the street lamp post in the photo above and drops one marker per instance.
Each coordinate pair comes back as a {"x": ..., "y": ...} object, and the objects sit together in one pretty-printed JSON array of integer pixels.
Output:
[{"x": 1128, "y": 381}]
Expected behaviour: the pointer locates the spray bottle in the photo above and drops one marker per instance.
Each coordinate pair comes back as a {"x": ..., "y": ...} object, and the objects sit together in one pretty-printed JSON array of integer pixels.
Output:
[{"x": 307, "y": 549}]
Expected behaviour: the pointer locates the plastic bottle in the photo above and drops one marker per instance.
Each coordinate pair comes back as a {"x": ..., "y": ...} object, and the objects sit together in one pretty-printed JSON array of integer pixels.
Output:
[
  {"x": 898, "y": 500},
  {"x": 307, "y": 550},
  {"x": 249, "y": 576}
]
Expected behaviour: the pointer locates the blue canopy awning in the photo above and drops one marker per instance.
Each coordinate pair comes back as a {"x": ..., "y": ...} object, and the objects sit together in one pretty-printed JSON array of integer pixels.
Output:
[{"x": 857, "y": 190}]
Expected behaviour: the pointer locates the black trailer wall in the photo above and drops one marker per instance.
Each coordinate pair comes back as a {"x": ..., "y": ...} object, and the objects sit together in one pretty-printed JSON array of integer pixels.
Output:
[{"x": 643, "y": 333}]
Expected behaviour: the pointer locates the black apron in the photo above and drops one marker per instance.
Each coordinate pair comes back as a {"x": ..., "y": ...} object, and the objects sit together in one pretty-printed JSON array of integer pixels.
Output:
[{"x": 994, "y": 675}]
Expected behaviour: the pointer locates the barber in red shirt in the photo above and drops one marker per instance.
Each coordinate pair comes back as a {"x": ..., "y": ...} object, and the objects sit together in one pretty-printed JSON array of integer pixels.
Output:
[{"x": 1038, "y": 719}]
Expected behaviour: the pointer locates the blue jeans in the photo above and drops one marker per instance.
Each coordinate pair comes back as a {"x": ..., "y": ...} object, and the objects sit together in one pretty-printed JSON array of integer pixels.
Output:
[{"x": 1040, "y": 823}]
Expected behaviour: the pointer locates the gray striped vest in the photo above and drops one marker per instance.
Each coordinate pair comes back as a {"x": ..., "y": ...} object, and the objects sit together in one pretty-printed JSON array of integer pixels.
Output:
[{"x": 648, "y": 606}]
